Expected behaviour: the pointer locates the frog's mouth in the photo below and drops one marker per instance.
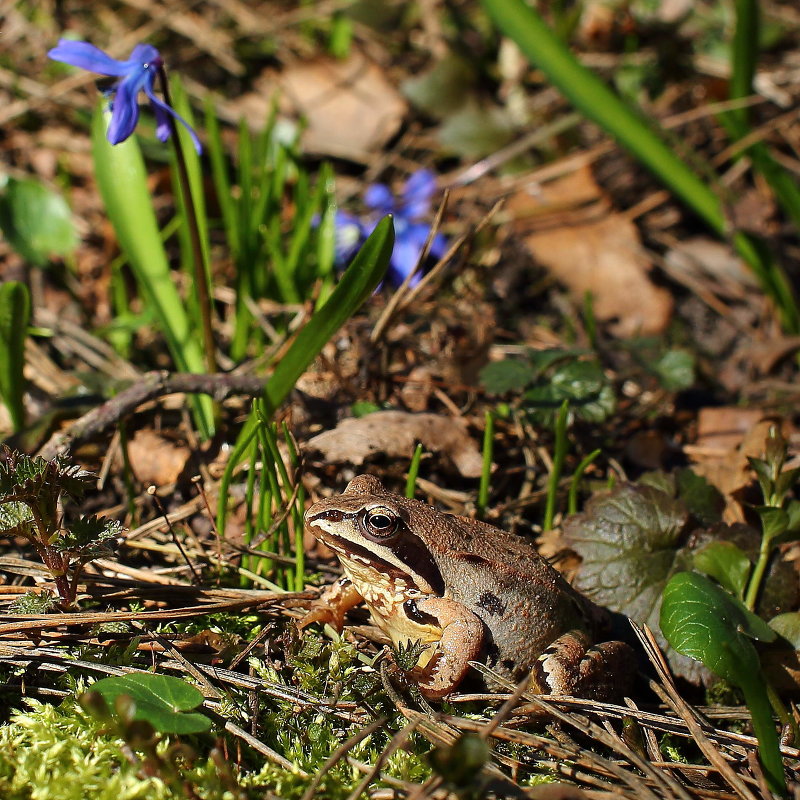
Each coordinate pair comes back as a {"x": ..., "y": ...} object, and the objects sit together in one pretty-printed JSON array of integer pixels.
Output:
[{"x": 406, "y": 559}]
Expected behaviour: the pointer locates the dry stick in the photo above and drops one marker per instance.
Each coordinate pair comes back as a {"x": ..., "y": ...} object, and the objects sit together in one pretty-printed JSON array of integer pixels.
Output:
[
  {"x": 264, "y": 749},
  {"x": 152, "y": 385},
  {"x": 398, "y": 740},
  {"x": 669, "y": 694},
  {"x": 35, "y": 624},
  {"x": 151, "y": 490},
  {"x": 661, "y": 779},
  {"x": 339, "y": 753}
]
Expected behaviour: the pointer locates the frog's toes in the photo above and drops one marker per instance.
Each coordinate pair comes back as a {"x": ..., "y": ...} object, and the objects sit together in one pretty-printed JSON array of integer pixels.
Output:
[{"x": 571, "y": 666}]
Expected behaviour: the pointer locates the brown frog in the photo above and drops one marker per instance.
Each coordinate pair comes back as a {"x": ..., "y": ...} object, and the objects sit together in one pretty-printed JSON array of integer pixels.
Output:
[{"x": 466, "y": 589}]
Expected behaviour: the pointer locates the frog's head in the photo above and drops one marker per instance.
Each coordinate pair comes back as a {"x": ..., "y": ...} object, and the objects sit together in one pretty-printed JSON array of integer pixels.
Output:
[{"x": 375, "y": 531}]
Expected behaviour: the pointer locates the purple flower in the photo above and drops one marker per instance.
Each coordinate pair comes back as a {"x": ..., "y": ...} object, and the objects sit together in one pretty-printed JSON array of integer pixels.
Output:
[
  {"x": 136, "y": 74},
  {"x": 410, "y": 233}
]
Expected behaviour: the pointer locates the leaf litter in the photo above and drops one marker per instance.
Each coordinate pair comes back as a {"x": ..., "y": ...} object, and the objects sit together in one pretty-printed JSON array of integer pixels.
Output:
[{"x": 632, "y": 537}]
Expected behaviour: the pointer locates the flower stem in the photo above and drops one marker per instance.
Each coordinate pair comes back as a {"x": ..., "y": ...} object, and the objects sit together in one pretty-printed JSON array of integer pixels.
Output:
[{"x": 201, "y": 269}]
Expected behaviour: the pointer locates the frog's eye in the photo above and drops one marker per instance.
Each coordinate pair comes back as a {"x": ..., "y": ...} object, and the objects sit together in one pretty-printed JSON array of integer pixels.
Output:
[{"x": 381, "y": 522}]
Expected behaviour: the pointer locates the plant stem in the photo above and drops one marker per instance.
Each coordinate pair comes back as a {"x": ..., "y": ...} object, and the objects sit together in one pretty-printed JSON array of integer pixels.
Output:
[
  {"x": 486, "y": 470},
  {"x": 559, "y": 455},
  {"x": 753, "y": 587},
  {"x": 201, "y": 270}
]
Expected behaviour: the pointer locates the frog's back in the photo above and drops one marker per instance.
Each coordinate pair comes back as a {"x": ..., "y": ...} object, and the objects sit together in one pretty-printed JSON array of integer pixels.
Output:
[{"x": 524, "y": 603}]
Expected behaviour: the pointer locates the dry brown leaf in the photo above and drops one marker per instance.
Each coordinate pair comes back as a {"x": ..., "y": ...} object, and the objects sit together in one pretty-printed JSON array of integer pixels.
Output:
[
  {"x": 726, "y": 437},
  {"x": 395, "y": 434},
  {"x": 571, "y": 230},
  {"x": 156, "y": 460},
  {"x": 350, "y": 107}
]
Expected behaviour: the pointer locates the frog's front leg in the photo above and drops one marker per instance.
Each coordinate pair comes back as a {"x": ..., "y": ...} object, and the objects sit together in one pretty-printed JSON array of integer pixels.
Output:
[
  {"x": 461, "y": 642},
  {"x": 331, "y": 606},
  {"x": 571, "y": 666}
]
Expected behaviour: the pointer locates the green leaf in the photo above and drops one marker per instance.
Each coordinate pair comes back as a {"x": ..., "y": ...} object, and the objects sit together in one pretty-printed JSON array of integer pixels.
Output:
[
  {"x": 774, "y": 521},
  {"x": 630, "y": 540},
  {"x": 443, "y": 88},
  {"x": 161, "y": 700},
  {"x": 788, "y": 626},
  {"x": 508, "y": 375},
  {"x": 704, "y": 622},
  {"x": 726, "y": 563},
  {"x": 36, "y": 222},
  {"x": 90, "y": 537},
  {"x": 122, "y": 180},
  {"x": 354, "y": 287},
  {"x": 476, "y": 130},
  {"x": 703, "y": 500},
  {"x": 675, "y": 370},
  {"x": 15, "y": 314},
  {"x": 16, "y": 519}
]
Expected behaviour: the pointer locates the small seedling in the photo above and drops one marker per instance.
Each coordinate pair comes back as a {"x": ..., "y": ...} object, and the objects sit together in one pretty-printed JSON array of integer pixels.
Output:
[{"x": 32, "y": 491}]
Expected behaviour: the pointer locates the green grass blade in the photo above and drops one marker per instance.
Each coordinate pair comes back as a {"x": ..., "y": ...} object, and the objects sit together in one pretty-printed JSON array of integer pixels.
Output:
[
  {"x": 354, "y": 287},
  {"x": 122, "y": 180},
  {"x": 15, "y": 315}
]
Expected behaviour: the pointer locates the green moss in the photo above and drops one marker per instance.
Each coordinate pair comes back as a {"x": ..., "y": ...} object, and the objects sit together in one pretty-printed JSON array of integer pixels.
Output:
[{"x": 56, "y": 753}]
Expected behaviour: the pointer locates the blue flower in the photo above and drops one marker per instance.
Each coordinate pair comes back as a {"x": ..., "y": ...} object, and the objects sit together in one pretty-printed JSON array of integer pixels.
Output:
[
  {"x": 136, "y": 74},
  {"x": 410, "y": 233}
]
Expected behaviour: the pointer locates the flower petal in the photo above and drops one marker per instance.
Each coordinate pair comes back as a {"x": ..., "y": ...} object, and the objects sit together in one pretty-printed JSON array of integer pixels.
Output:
[
  {"x": 125, "y": 108},
  {"x": 87, "y": 56},
  {"x": 379, "y": 198},
  {"x": 404, "y": 258},
  {"x": 161, "y": 110},
  {"x": 417, "y": 194},
  {"x": 348, "y": 236}
]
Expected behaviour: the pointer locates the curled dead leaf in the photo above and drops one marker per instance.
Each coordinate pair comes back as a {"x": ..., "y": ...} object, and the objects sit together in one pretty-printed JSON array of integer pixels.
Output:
[{"x": 395, "y": 434}]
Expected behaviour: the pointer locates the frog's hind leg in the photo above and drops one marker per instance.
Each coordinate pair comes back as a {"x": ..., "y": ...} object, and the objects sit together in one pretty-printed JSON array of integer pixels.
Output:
[{"x": 572, "y": 666}]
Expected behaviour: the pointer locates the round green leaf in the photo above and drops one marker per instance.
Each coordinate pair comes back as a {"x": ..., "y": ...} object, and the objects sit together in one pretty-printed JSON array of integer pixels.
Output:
[
  {"x": 36, "y": 221},
  {"x": 161, "y": 700}
]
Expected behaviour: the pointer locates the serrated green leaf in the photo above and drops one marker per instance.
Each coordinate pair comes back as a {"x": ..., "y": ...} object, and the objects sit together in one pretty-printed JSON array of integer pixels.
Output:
[
  {"x": 630, "y": 540},
  {"x": 15, "y": 314},
  {"x": 509, "y": 375},
  {"x": 16, "y": 519},
  {"x": 726, "y": 563},
  {"x": 161, "y": 700},
  {"x": 90, "y": 537},
  {"x": 704, "y": 622},
  {"x": 36, "y": 221}
]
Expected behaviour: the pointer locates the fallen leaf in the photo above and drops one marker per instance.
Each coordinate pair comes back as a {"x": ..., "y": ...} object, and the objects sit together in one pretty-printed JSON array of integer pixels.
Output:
[
  {"x": 726, "y": 436},
  {"x": 395, "y": 434},
  {"x": 571, "y": 229},
  {"x": 156, "y": 460},
  {"x": 351, "y": 110}
]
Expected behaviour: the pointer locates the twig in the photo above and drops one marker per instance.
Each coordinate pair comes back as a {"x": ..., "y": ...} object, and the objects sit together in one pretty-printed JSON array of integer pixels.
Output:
[{"x": 151, "y": 386}]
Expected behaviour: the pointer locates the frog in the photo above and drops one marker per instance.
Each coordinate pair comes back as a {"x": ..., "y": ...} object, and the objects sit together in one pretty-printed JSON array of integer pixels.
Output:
[{"x": 461, "y": 590}]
